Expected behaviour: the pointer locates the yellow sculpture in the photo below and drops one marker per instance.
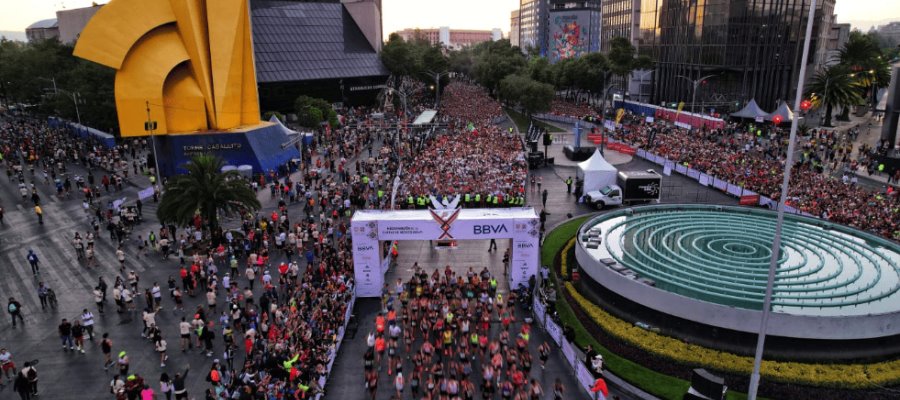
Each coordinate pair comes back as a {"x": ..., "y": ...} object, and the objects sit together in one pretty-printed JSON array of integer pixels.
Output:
[{"x": 191, "y": 60}]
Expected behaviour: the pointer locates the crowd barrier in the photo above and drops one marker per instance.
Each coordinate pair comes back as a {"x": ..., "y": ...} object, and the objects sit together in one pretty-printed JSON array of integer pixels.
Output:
[
  {"x": 333, "y": 354},
  {"x": 554, "y": 330},
  {"x": 713, "y": 181}
]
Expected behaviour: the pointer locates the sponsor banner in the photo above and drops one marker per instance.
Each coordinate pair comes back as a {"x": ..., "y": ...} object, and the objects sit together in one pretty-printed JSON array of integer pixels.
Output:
[
  {"x": 385, "y": 264},
  {"x": 650, "y": 119},
  {"x": 146, "y": 193},
  {"x": 703, "y": 179},
  {"x": 683, "y": 125},
  {"x": 750, "y": 200},
  {"x": 767, "y": 202},
  {"x": 585, "y": 377},
  {"x": 667, "y": 168},
  {"x": 366, "y": 263},
  {"x": 681, "y": 169},
  {"x": 659, "y": 159},
  {"x": 735, "y": 190},
  {"x": 693, "y": 173},
  {"x": 569, "y": 352},
  {"x": 555, "y": 331},
  {"x": 720, "y": 184},
  {"x": 641, "y": 153},
  {"x": 540, "y": 311}
]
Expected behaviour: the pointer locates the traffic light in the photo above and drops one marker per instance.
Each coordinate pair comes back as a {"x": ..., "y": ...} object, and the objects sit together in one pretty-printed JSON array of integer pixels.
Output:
[
  {"x": 548, "y": 140},
  {"x": 805, "y": 105}
]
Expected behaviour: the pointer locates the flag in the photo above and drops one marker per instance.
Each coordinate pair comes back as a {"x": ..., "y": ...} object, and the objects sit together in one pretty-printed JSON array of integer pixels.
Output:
[{"x": 680, "y": 106}]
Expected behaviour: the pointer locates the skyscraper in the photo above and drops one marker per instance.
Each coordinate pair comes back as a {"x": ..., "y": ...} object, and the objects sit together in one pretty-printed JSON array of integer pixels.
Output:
[
  {"x": 533, "y": 16},
  {"x": 750, "y": 47}
]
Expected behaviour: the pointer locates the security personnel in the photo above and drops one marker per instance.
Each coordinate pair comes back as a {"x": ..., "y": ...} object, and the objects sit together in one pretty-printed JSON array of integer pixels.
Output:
[
  {"x": 380, "y": 193},
  {"x": 497, "y": 199},
  {"x": 468, "y": 199},
  {"x": 409, "y": 202},
  {"x": 569, "y": 184},
  {"x": 420, "y": 202},
  {"x": 478, "y": 199},
  {"x": 489, "y": 200}
]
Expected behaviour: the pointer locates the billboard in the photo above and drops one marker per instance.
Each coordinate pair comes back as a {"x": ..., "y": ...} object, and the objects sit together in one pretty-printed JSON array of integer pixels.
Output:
[{"x": 569, "y": 34}]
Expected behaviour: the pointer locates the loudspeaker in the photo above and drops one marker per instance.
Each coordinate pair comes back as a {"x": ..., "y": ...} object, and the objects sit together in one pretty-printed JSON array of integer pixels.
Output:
[{"x": 708, "y": 385}]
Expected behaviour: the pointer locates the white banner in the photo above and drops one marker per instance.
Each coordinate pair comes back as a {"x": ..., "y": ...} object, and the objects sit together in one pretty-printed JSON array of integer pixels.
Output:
[
  {"x": 585, "y": 377},
  {"x": 683, "y": 125},
  {"x": 720, "y": 184},
  {"x": 703, "y": 179},
  {"x": 734, "y": 190},
  {"x": 667, "y": 168},
  {"x": 650, "y": 119},
  {"x": 681, "y": 169},
  {"x": 569, "y": 352},
  {"x": 693, "y": 173},
  {"x": 146, "y": 193},
  {"x": 539, "y": 310},
  {"x": 554, "y": 330},
  {"x": 371, "y": 226}
]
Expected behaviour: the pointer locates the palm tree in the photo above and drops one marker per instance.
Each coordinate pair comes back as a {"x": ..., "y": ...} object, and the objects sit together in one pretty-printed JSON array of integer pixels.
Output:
[
  {"x": 833, "y": 87},
  {"x": 205, "y": 191}
]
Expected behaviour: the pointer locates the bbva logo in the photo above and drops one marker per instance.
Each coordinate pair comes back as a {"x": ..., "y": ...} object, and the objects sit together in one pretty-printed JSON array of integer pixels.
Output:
[
  {"x": 524, "y": 245},
  {"x": 488, "y": 229},
  {"x": 365, "y": 248}
]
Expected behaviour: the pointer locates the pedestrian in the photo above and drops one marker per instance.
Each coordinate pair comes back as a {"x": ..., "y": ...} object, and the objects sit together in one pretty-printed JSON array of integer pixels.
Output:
[
  {"x": 7, "y": 366},
  {"x": 22, "y": 386},
  {"x": 569, "y": 185},
  {"x": 123, "y": 363},
  {"x": 544, "y": 198},
  {"x": 65, "y": 334},
  {"x": 120, "y": 255},
  {"x": 43, "y": 293},
  {"x": 33, "y": 261},
  {"x": 181, "y": 392},
  {"x": 492, "y": 245},
  {"x": 78, "y": 336},
  {"x": 98, "y": 298},
  {"x": 156, "y": 293},
  {"x": 106, "y": 347},
  {"x": 398, "y": 384},
  {"x": 14, "y": 308},
  {"x": 165, "y": 385},
  {"x": 87, "y": 320},
  {"x": 184, "y": 329},
  {"x": 117, "y": 386},
  {"x": 558, "y": 390},
  {"x": 161, "y": 347},
  {"x": 147, "y": 393},
  {"x": 40, "y": 213},
  {"x": 31, "y": 373}
]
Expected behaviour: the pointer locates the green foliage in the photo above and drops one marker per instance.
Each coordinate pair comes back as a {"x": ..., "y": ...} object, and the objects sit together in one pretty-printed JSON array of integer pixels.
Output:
[
  {"x": 26, "y": 71},
  {"x": 312, "y": 112},
  {"x": 206, "y": 191},
  {"x": 522, "y": 122},
  {"x": 833, "y": 87},
  {"x": 416, "y": 58},
  {"x": 494, "y": 61},
  {"x": 531, "y": 95}
]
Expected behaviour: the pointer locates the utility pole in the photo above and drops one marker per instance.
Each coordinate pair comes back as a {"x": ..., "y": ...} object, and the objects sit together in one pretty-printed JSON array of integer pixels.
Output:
[
  {"x": 785, "y": 189},
  {"x": 437, "y": 86},
  {"x": 151, "y": 127},
  {"x": 695, "y": 83}
]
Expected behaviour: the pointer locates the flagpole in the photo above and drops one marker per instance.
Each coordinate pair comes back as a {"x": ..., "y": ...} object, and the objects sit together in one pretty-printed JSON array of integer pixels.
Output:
[{"x": 785, "y": 187}]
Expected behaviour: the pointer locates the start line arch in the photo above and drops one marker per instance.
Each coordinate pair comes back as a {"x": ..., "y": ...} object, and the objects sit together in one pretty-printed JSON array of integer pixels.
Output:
[{"x": 370, "y": 227}]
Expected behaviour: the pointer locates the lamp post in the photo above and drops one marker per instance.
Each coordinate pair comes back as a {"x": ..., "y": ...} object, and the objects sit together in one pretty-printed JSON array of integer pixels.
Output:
[
  {"x": 695, "y": 83},
  {"x": 785, "y": 189},
  {"x": 151, "y": 126},
  {"x": 75, "y": 96},
  {"x": 437, "y": 86}
]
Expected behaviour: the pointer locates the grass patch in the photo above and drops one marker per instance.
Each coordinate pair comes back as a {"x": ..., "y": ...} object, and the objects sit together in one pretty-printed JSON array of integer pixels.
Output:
[
  {"x": 522, "y": 122},
  {"x": 655, "y": 383}
]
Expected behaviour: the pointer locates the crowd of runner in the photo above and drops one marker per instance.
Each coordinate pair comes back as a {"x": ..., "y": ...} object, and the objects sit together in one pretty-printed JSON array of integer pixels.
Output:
[{"x": 477, "y": 160}]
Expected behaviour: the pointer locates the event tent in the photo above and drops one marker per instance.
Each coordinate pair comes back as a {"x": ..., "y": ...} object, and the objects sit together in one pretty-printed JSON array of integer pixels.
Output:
[
  {"x": 784, "y": 111},
  {"x": 596, "y": 172},
  {"x": 286, "y": 130},
  {"x": 751, "y": 111}
]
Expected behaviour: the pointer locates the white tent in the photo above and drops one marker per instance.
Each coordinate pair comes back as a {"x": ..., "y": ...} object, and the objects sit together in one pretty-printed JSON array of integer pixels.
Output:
[
  {"x": 784, "y": 111},
  {"x": 286, "y": 130},
  {"x": 596, "y": 172},
  {"x": 751, "y": 110}
]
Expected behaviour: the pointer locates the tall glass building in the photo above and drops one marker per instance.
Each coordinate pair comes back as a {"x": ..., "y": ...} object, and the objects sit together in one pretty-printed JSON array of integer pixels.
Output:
[{"x": 752, "y": 47}]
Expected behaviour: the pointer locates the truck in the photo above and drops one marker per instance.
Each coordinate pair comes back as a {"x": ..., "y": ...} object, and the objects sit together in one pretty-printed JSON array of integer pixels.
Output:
[{"x": 631, "y": 187}]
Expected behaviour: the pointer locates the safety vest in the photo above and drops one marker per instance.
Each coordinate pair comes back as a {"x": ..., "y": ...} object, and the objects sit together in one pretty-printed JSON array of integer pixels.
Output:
[
  {"x": 473, "y": 338},
  {"x": 493, "y": 283},
  {"x": 365, "y": 179},
  {"x": 489, "y": 198},
  {"x": 409, "y": 200},
  {"x": 495, "y": 199},
  {"x": 380, "y": 193},
  {"x": 467, "y": 198},
  {"x": 568, "y": 181},
  {"x": 478, "y": 197},
  {"x": 421, "y": 201}
]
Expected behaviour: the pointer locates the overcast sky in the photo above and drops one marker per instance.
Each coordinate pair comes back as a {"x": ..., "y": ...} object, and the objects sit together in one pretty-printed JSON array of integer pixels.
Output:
[{"x": 464, "y": 14}]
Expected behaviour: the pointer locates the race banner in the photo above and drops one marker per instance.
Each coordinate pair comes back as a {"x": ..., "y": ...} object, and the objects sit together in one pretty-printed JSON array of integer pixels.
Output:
[
  {"x": 703, "y": 179},
  {"x": 554, "y": 331},
  {"x": 569, "y": 352},
  {"x": 667, "y": 168},
  {"x": 585, "y": 377},
  {"x": 539, "y": 310}
]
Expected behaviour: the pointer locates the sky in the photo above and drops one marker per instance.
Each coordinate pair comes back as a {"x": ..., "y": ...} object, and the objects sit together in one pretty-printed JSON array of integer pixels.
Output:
[{"x": 15, "y": 15}]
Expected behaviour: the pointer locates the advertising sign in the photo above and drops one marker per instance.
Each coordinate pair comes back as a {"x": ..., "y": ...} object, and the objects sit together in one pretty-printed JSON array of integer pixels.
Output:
[
  {"x": 585, "y": 377},
  {"x": 555, "y": 331},
  {"x": 569, "y": 34},
  {"x": 539, "y": 310},
  {"x": 371, "y": 226},
  {"x": 568, "y": 352}
]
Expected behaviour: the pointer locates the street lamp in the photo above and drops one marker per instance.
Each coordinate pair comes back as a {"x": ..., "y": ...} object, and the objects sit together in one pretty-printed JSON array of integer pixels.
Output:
[
  {"x": 695, "y": 83},
  {"x": 437, "y": 86},
  {"x": 75, "y": 96},
  {"x": 151, "y": 126}
]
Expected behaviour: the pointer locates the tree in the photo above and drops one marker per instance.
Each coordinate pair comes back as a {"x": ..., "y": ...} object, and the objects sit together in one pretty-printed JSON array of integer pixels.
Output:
[
  {"x": 495, "y": 61},
  {"x": 396, "y": 56},
  {"x": 833, "y": 87},
  {"x": 622, "y": 60},
  {"x": 312, "y": 112},
  {"x": 862, "y": 55},
  {"x": 532, "y": 96},
  {"x": 205, "y": 191}
]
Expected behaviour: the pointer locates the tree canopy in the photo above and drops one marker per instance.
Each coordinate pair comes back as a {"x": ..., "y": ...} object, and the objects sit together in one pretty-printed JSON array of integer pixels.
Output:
[
  {"x": 205, "y": 191},
  {"x": 312, "y": 112}
]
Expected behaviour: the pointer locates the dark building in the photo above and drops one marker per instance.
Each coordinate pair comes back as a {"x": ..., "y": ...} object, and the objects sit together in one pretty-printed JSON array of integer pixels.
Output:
[
  {"x": 751, "y": 47},
  {"x": 318, "y": 49},
  {"x": 548, "y": 27}
]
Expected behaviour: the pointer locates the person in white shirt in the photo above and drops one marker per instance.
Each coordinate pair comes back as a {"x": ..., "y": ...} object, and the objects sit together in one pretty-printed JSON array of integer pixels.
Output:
[{"x": 87, "y": 320}]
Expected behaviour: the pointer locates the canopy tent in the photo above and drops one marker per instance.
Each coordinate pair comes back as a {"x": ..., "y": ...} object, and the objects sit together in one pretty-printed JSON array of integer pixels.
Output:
[
  {"x": 286, "y": 130},
  {"x": 425, "y": 117},
  {"x": 596, "y": 172},
  {"x": 751, "y": 110},
  {"x": 784, "y": 111}
]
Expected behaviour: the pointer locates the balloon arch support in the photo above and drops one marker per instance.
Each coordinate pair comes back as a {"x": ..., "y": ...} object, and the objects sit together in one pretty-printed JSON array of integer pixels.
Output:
[{"x": 370, "y": 228}]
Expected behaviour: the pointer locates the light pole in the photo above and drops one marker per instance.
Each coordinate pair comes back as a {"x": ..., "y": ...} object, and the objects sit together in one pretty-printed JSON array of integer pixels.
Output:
[
  {"x": 437, "y": 86},
  {"x": 641, "y": 83},
  {"x": 603, "y": 118},
  {"x": 75, "y": 96},
  {"x": 695, "y": 83},
  {"x": 785, "y": 189},
  {"x": 151, "y": 126}
]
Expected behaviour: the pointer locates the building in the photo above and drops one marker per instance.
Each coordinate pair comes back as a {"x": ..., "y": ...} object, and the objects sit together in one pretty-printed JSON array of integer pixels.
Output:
[
  {"x": 890, "y": 32},
  {"x": 620, "y": 18},
  {"x": 42, "y": 30},
  {"x": 750, "y": 49},
  {"x": 573, "y": 29},
  {"x": 533, "y": 21},
  {"x": 72, "y": 22},
  {"x": 514, "y": 28},
  {"x": 327, "y": 48},
  {"x": 451, "y": 38}
]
